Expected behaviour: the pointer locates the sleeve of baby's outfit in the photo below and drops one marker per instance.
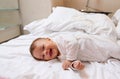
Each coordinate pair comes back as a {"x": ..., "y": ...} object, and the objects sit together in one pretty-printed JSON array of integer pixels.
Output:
[{"x": 72, "y": 50}]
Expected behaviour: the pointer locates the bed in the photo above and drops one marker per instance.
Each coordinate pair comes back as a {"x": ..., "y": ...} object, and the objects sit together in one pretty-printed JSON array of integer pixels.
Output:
[{"x": 17, "y": 63}]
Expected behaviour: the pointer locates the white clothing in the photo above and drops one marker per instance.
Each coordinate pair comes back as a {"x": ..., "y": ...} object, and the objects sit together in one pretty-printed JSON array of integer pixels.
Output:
[{"x": 85, "y": 47}]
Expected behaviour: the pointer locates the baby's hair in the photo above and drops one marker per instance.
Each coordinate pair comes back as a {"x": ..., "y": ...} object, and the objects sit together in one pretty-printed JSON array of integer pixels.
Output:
[{"x": 33, "y": 45}]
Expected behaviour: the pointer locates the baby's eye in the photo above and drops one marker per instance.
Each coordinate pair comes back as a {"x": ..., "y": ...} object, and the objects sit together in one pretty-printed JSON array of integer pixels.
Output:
[{"x": 43, "y": 47}]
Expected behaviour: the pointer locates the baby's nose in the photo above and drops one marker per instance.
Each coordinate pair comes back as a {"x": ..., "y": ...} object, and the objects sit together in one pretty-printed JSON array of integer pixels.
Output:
[{"x": 46, "y": 52}]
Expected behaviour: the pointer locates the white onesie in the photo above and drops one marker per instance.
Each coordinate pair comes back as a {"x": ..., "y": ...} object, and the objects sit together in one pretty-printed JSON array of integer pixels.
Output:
[{"x": 84, "y": 47}]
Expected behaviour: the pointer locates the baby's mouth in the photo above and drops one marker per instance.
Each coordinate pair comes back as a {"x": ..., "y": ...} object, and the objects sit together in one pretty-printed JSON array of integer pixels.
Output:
[{"x": 50, "y": 52}]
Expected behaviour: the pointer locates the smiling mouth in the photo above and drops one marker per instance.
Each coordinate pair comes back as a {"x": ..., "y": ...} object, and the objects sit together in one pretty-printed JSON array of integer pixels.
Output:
[{"x": 50, "y": 52}]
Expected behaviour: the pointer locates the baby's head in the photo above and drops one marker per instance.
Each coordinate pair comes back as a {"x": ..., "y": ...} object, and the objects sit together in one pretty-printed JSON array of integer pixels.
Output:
[{"x": 44, "y": 49}]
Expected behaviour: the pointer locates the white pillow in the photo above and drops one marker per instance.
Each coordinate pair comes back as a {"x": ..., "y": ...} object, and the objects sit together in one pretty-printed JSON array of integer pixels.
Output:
[
  {"x": 118, "y": 30},
  {"x": 61, "y": 14},
  {"x": 116, "y": 17}
]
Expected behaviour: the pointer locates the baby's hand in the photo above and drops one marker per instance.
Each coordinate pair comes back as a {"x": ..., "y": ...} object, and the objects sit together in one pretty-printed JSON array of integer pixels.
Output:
[
  {"x": 78, "y": 65},
  {"x": 66, "y": 64}
]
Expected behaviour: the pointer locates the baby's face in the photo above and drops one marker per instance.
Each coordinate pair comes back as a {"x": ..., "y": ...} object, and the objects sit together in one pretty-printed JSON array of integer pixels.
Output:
[{"x": 45, "y": 49}]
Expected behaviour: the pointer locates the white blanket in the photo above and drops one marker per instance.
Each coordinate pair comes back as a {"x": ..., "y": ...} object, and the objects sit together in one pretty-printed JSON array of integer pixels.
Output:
[{"x": 95, "y": 24}]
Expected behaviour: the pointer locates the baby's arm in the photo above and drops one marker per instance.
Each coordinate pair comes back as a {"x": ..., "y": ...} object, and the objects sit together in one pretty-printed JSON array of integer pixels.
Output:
[
  {"x": 66, "y": 64},
  {"x": 77, "y": 65}
]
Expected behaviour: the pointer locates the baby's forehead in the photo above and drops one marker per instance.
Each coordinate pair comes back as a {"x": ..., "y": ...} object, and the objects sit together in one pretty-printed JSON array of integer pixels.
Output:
[
  {"x": 39, "y": 42},
  {"x": 36, "y": 43}
]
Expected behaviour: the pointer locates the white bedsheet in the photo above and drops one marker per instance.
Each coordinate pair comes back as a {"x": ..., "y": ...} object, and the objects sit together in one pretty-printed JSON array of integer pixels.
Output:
[{"x": 17, "y": 63}]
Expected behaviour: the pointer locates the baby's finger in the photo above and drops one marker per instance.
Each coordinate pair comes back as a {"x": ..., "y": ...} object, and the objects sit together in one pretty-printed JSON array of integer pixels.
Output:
[{"x": 64, "y": 66}]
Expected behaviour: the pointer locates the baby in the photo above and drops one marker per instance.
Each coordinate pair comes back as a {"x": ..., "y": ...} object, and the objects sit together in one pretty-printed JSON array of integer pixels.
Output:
[
  {"x": 48, "y": 49},
  {"x": 72, "y": 48}
]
